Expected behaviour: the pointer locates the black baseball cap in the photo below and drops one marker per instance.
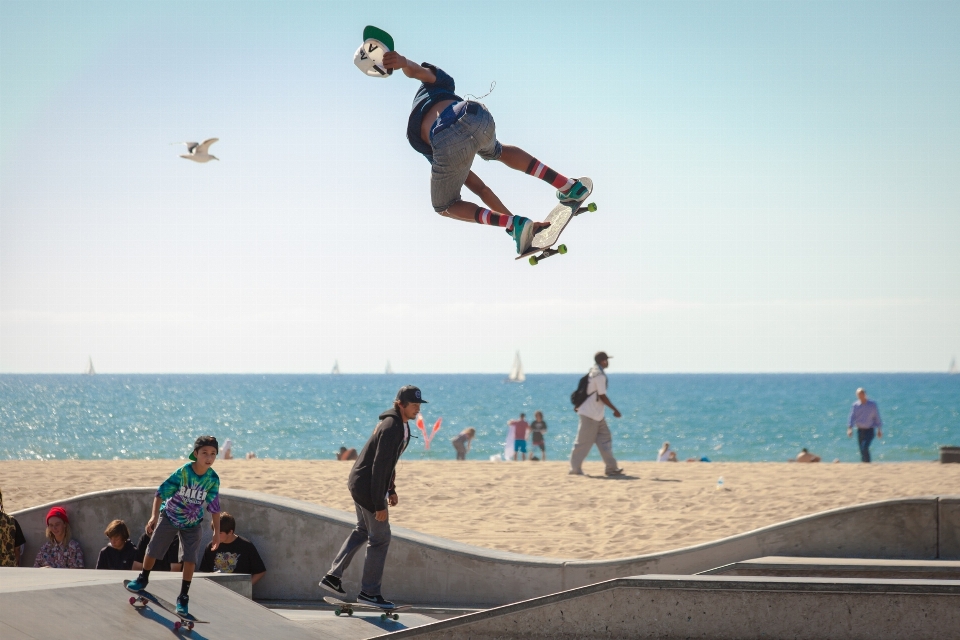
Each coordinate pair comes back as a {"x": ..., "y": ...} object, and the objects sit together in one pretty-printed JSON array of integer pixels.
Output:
[
  {"x": 410, "y": 393},
  {"x": 600, "y": 356},
  {"x": 204, "y": 441}
]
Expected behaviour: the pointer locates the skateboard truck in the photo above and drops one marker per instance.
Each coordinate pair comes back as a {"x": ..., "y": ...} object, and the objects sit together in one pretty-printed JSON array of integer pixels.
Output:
[{"x": 561, "y": 249}]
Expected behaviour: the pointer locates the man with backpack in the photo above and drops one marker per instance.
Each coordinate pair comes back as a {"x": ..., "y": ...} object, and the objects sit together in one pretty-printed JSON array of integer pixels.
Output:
[{"x": 590, "y": 402}]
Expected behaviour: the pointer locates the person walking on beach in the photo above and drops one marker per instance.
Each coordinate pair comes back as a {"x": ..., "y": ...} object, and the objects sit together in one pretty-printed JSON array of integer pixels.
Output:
[
  {"x": 449, "y": 131},
  {"x": 177, "y": 512},
  {"x": 462, "y": 442},
  {"x": 865, "y": 416},
  {"x": 372, "y": 487},
  {"x": 537, "y": 428},
  {"x": 519, "y": 435},
  {"x": 593, "y": 427}
]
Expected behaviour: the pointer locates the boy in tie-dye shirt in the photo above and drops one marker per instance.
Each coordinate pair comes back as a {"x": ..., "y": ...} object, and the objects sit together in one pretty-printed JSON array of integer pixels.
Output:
[{"x": 178, "y": 511}]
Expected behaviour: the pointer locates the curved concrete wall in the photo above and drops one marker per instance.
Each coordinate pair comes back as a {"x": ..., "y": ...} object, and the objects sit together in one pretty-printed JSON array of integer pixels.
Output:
[{"x": 297, "y": 541}]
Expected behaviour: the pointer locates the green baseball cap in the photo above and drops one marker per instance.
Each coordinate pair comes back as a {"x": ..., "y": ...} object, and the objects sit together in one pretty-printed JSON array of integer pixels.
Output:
[{"x": 378, "y": 34}]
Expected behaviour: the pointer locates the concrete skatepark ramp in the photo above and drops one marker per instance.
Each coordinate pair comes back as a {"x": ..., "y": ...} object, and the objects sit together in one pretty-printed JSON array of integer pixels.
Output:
[
  {"x": 297, "y": 540},
  {"x": 721, "y": 608}
]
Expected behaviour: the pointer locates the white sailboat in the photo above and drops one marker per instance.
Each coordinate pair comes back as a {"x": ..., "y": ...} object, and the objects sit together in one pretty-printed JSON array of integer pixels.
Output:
[
  {"x": 389, "y": 369},
  {"x": 516, "y": 371},
  {"x": 953, "y": 370},
  {"x": 336, "y": 369},
  {"x": 90, "y": 370}
]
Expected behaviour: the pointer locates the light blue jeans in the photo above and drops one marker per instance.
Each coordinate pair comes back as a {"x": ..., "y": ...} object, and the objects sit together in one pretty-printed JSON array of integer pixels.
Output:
[{"x": 472, "y": 132}]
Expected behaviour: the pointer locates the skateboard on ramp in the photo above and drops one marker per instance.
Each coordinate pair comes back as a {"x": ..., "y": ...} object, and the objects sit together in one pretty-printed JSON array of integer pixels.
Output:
[
  {"x": 141, "y": 598},
  {"x": 349, "y": 607},
  {"x": 559, "y": 218}
]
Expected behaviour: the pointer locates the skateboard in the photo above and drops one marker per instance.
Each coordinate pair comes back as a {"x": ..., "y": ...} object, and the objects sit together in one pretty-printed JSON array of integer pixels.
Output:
[
  {"x": 143, "y": 597},
  {"x": 559, "y": 218},
  {"x": 349, "y": 607}
]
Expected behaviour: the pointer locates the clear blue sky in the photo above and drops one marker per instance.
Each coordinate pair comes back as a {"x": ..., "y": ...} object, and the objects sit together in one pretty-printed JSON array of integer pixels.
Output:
[{"x": 779, "y": 188}]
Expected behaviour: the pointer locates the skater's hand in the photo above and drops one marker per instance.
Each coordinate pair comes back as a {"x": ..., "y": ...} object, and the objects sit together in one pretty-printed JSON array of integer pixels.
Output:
[
  {"x": 394, "y": 499},
  {"x": 849, "y": 432},
  {"x": 215, "y": 543},
  {"x": 617, "y": 414},
  {"x": 381, "y": 516},
  {"x": 393, "y": 60},
  {"x": 151, "y": 525}
]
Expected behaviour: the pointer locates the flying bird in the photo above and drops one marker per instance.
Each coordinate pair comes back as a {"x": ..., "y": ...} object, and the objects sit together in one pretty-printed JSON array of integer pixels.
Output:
[{"x": 199, "y": 152}]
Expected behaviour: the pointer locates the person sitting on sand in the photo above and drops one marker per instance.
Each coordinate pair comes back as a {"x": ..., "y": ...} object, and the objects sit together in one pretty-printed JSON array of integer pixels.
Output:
[
  {"x": 59, "y": 551},
  {"x": 347, "y": 454},
  {"x": 120, "y": 554},
  {"x": 664, "y": 454},
  {"x": 11, "y": 539},
  {"x": 806, "y": 456},
  {"x": 462, "y": 442}
]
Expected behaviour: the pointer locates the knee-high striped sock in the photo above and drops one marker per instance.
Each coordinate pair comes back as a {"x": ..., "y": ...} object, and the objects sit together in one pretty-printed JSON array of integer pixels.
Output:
[
  {"x": 539, "y": 170},
  {"x": 485, "y": 216}
]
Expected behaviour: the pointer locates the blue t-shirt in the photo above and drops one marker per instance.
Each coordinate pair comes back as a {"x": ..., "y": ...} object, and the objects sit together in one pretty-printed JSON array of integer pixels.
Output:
[{"x": 427, "y": 96}]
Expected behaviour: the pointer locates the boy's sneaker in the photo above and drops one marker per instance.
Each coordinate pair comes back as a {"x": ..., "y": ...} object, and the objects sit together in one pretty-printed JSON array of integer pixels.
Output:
[
  {"x": 332, "y": 584},
  {"x": 577, "y": 193},
  {"x": 183, "y": 603},
  {"x": 137, "y": 585},
  {"x": 522, "y": 233},
  {"x": 376, "y": 601}
]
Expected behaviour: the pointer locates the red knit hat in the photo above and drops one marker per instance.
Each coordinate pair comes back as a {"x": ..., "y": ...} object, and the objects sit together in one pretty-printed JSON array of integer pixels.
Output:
[{"x": 57, "y": 512}]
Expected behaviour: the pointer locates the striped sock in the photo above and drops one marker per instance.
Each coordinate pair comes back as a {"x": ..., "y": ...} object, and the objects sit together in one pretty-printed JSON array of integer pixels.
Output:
[
  {"x": 539, "y": 170},
  {"x": 485, "y": 216}
]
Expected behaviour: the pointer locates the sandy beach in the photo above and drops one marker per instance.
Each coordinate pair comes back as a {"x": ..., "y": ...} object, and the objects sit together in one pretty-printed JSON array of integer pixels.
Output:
[{"x": 535, "y": 508}]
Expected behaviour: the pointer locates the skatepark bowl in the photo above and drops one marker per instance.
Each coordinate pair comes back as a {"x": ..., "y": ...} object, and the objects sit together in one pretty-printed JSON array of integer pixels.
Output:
[{"x": 888, "y": 569}]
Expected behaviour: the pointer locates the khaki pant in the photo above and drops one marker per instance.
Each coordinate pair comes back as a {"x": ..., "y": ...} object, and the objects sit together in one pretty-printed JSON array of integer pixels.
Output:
[{"x": 592, "y": 432}]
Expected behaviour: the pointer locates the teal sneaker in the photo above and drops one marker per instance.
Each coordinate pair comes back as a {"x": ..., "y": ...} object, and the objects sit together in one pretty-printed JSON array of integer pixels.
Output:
[
  {"x": 577, "y": 193},
  {"x": 183, "y": 603},
  {"x": 522, "y": 233},
  {"x": 137, "y": 585}
]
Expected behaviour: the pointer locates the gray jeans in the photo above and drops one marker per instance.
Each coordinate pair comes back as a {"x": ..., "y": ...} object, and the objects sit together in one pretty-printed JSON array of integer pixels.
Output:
[
  {"x": 376, "y": 535},
  {"x": 592, "y": 432},
  {"x": 474, "y": 133}
]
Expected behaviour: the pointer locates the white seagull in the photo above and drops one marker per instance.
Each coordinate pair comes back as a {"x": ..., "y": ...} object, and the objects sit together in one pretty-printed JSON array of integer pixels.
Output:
[{"x": 199, "y": 152}]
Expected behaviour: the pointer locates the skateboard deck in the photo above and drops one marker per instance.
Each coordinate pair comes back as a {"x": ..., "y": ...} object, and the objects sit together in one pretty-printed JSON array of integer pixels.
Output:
[
  {"x": 141, "y": 598},
  {"x": 559, "y": 218},
  {"x": 349, "y": 607}
]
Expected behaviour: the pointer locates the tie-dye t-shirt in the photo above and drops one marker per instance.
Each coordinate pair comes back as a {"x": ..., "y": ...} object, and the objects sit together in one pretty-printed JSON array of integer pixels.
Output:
[{"x": 184, "y": 495}]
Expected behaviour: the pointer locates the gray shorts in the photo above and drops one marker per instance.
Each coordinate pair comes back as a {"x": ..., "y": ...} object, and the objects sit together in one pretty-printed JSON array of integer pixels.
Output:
[
  {"x": 474, "y": 133},
  {"x": 191, "y": 540}
]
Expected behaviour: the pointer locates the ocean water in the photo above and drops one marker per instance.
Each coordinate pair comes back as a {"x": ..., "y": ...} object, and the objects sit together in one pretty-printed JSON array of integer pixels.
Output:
[{"x": 723, "y": 417}]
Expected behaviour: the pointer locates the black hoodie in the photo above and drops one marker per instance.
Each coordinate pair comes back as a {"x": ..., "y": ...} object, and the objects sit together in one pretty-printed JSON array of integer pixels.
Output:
[{"x": 373, "y": 474}]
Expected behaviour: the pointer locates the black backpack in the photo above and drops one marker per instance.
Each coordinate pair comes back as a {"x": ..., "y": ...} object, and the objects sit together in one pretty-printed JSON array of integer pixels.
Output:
[{"x": 580, "y": 396}]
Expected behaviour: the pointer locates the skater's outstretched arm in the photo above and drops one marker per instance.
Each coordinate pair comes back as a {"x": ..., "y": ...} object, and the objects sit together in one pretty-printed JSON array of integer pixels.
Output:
[
  {"x": 475, "y": 184},
  {"x": 393, "y": 60}
]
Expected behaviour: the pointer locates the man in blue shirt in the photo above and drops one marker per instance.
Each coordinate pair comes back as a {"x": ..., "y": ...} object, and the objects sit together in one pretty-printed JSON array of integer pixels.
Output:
[
  {"x": 449, "y": 131},
  {"x": 865, "y": 416}
]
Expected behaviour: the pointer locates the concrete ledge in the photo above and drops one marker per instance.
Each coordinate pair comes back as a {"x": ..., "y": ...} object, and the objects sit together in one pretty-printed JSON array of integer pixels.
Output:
[
  {"x": 719, "y": 607},
  {"x": 297, "y": 541},
  {"x": 841, "y": 568}
]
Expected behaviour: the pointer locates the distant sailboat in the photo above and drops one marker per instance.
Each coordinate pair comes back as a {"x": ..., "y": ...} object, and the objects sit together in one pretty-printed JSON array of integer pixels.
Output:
[
  {"x": 389, "y": 369},
  {"x": 516, "y": 371},
  {"x": 90, "y": 370},
  {"x": 336, "y": 369},
  {"x": 953, "y": 370}
]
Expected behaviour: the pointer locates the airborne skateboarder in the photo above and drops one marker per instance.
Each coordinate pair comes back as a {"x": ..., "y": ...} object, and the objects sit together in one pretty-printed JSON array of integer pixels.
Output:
[{"x": 449, "y": 132}]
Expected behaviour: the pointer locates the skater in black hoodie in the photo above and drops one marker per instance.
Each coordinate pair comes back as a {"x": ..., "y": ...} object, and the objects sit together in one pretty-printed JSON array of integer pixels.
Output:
[{"x": 371, "y": 485}]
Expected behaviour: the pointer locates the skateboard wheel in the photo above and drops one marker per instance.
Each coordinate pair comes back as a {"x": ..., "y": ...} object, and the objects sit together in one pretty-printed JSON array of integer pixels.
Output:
[
  {"x": 592, "y": 206},
  {"x": 132, "y": 600},
  {"x": 533, "y": 260},
  {"x": 176, "y": 626},
  {"x": 562, "y": 249},
  {"x": 396, "y": 616},
  {"x": 336, "y": 612},
  {"x": 190, "y": 626},
  {"x": 383, "y": 617}
]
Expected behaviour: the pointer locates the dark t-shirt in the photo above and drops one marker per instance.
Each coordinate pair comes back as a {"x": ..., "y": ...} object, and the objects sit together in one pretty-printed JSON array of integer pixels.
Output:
[
  {"x": 427, "y": 96},
  {"x": 117, "y": 559},
  {"x": 172, "y": 556},
  {"x": 239, "y": 556},
  {"x": 538, "y": 428}
]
